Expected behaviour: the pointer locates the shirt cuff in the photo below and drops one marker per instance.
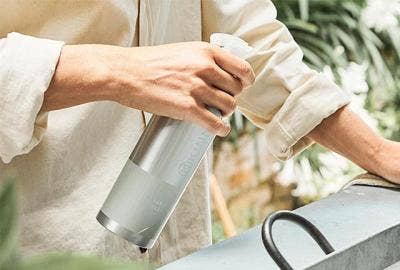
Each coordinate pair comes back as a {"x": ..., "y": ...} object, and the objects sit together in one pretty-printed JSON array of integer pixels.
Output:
[
  {"x": 304, "y": 109},
  {"x": 27, "y": 65}
]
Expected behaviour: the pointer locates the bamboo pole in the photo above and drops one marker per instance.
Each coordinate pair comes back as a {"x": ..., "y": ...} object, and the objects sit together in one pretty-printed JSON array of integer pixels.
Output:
[{"x": 221, "y": 207}]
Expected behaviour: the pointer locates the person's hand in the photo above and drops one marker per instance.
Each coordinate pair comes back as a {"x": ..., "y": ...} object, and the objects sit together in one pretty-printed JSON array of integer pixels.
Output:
[
  {"x": 180, "y": 80},
  {"x": 388, "y": 161},
  {"x": 177, "y": 80}
]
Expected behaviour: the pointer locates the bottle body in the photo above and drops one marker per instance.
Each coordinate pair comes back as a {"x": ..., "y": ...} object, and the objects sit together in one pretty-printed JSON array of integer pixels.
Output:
[{"x": 153, "y": 179}]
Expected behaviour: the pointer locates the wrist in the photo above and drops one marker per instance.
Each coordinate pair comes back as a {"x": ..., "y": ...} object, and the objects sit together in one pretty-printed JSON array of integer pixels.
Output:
[
  {"x": 80, "y": 77},
  {"x": 94, "y": 71},
  {"x": 115, "y": 78},
  {"x": 388, "y": 161},
  {"x": 375, "y": 159}
]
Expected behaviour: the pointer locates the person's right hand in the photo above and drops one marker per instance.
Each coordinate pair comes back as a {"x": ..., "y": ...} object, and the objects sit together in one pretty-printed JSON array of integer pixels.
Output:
[{"x": 178, "y": 80}]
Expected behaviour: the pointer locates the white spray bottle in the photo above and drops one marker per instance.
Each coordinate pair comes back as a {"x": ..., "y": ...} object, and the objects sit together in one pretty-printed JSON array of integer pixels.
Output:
[{"x": 159, "y": 169}]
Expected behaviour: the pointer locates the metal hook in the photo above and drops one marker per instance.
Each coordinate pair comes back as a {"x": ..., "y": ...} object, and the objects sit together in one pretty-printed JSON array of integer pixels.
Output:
[{"x": 269, "y": 243}]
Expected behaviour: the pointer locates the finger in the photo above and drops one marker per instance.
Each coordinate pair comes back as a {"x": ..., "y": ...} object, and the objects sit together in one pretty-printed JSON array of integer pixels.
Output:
[
  {"x": 211, "y": 122},
  {"x": 235, "y": 66},
  {"x": 220, "y": 100},
  {"x": 224, "y": 81}
]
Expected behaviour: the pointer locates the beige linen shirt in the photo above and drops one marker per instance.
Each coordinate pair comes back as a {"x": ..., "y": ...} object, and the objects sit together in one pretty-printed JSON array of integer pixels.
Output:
[{"x": 66, "y": 161}]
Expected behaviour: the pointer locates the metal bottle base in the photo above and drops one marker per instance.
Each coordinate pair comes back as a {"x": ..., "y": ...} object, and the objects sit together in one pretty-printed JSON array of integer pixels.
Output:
[{"x": 123, "y": 232}]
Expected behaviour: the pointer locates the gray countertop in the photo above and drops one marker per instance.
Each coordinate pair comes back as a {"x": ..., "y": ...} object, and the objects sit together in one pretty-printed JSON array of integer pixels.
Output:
[{"x": 362, "y": 223}]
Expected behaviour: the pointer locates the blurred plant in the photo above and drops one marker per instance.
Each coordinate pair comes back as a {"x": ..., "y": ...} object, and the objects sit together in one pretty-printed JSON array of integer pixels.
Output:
[
  {"x": 357, "y": 44},
  {"x": 353, "y": 43},
  {"x": 218, "y": 234},
  {"x": 10, "y": 260},
  {"x": 340, "y": 34},
  {"x": 8, "y": 225}
]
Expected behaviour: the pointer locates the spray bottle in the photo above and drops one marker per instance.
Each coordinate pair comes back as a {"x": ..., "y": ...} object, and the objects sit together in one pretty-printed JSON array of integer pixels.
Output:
[{"x": 159, "y": 170}]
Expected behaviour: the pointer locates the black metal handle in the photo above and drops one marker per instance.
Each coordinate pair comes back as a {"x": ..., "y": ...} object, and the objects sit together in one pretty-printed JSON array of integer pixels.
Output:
[{"x": 269, "y": 243}]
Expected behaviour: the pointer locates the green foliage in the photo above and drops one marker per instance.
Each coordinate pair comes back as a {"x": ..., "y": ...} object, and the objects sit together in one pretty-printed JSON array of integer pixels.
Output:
[
  {"x": 321, "y": 27},
  {"x": 332, "y": 33},
  {"x": 8, "y": 245},
  {"x": 75, "y": 262},
  {"x": 218, "y": 234},
  {"x": 8, "y": 224}
]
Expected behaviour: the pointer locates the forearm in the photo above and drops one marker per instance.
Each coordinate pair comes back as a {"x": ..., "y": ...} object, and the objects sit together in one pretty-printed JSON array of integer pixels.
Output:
[
  {"x": 178, "y": 80},
  {"x": 345, "y": 133}
]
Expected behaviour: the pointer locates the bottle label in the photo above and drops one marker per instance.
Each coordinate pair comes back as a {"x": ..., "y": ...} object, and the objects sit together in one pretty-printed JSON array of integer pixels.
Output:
[{"x": 187, "y": 159}]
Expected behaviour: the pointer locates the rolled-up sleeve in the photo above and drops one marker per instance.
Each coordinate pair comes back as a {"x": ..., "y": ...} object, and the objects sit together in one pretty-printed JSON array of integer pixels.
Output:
[
  {"x": 288, "y": 99},
  {"x": 27, "y": 65}
]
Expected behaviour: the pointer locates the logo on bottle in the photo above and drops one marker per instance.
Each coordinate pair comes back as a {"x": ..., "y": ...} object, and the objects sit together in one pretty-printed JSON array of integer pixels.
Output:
[{"x": 190, "y": 163}]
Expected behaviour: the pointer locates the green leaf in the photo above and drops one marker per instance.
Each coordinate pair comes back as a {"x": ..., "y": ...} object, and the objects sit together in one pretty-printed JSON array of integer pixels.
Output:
[
  {"x": 379, "y": 63},
  {"x": 319, "y": 47},
  {"x": 371, "y": 36},
  {"x": 77, "y": 262},
  {"x": 300, "y": 25},
  {"x": 350, "y": 21},
  {"x": 353, "y": 8},
  {"x": 8, "y": 224},
  {"x": 394, "y": 35},
  {"x": 345, "y": 38},
  {"x": 303, "y": 5},
  {"x": 311, "y": 58},
  {"x": 322, "y": 17}
]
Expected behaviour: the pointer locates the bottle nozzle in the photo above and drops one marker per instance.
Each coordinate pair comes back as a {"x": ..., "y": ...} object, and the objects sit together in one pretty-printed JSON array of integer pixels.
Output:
[{"x": 234, "y": 45}]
